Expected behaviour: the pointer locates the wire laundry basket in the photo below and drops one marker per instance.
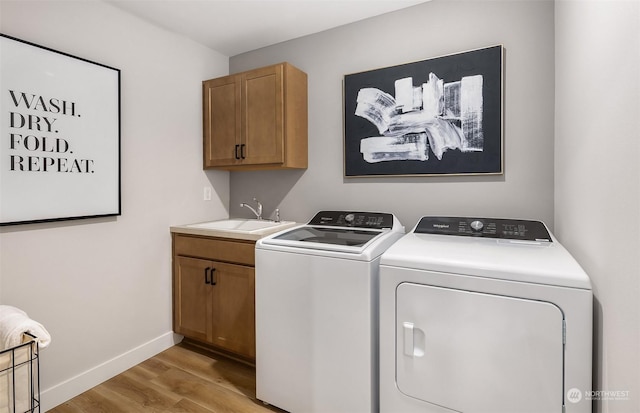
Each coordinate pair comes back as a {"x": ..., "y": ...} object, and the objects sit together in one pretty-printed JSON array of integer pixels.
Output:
[{"x": 20, "y": 378}]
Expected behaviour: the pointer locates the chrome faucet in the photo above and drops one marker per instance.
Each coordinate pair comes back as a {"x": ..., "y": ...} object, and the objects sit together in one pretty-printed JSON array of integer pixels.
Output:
[{"x": 257, "y": 212}]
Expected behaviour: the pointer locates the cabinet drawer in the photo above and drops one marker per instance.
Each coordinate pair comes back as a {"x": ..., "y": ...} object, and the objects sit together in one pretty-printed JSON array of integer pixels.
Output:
[{"x": 241, "y": 252}]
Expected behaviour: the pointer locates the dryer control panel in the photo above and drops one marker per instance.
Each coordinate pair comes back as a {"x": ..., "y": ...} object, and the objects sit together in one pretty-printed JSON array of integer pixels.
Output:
[
  {"x": 485, "y": 227},
  {"x": 374, "y": 220}
]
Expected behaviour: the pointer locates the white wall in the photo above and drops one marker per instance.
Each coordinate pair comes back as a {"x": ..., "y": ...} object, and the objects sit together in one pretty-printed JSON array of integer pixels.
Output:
[
  {"x": 597, "y": 177},
  {"x": 436, "y": 28},
  {"x": 102, "y": 287}
]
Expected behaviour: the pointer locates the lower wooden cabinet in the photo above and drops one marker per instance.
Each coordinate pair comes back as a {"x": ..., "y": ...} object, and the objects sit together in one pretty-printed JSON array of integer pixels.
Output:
[{"x": 214, "y": 301}]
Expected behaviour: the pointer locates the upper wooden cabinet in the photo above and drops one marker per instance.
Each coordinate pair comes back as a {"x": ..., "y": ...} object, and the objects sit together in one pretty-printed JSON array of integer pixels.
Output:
[{"x": 256, "y": 119}]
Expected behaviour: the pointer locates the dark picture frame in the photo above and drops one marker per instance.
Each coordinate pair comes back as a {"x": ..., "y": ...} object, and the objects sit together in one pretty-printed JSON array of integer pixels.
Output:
[
  {"x": 60, "y": 128},
  {"x": 440, "y": 116}
]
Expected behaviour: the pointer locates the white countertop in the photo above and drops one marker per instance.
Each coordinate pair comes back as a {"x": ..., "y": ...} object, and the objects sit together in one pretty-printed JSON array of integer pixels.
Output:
[{"x": 198, "y": 229}]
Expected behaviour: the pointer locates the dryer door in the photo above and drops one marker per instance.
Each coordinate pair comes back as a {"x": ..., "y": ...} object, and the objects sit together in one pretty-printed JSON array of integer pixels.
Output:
[{"x": 476, "y": 352}]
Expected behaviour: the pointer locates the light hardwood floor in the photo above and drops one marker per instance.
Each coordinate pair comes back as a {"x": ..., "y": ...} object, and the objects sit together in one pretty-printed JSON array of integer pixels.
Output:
[{"x": 181, "y": 379}]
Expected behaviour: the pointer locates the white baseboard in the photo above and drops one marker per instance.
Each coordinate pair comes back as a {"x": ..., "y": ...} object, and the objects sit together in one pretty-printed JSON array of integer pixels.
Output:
[{"x": 68, "y": 389}]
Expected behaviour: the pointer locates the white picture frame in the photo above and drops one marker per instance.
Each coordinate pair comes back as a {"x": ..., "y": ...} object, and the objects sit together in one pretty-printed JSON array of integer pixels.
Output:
[{"x": 60, "y": 135}]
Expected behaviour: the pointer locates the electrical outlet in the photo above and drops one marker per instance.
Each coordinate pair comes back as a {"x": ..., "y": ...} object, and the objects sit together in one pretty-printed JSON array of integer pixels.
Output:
[{"x": 207, "y": 193}]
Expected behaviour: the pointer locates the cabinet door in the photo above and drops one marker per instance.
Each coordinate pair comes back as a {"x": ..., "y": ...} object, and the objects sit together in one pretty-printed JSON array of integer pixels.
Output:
[
  {"x": 192, "y": 298},
  {"x": 233, "y": 312},
  {"x": 263, "y": 104},
  {"x": 222, "y": 117}
]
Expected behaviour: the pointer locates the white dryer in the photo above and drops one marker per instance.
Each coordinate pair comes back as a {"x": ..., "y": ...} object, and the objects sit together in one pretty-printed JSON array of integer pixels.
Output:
[
  {"x": 317, "y": 312},
  {"x": 483, "y": 315}
]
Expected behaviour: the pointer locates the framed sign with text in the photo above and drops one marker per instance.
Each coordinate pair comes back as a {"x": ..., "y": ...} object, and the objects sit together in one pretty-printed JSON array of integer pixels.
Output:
[{"x": 60, "y": 129}]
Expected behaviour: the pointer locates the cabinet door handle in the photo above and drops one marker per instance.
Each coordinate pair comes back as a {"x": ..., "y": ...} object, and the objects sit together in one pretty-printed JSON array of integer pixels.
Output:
[
  {"x": 237, "y": 147},
  {"x": 213, "y": 276},
  {"x": 242, "y": 151},
  {"x": 206, "y": 275}
]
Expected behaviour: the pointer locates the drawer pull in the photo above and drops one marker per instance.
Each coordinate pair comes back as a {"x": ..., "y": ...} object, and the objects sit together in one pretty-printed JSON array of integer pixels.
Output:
[{"x": 213, "y": 276}]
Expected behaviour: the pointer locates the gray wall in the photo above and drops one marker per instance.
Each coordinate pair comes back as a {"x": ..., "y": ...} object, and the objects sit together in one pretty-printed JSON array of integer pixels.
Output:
[
  {"x": 597, "y": 178},
  {"x": 436, "y": 28},
  {"x": 572, "y": 64}
]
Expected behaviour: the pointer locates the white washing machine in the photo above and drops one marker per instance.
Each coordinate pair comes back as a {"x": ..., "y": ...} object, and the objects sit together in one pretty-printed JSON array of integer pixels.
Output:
[
  {"x": 483, "y": 315},
  {"x": 316, "y": 312}
]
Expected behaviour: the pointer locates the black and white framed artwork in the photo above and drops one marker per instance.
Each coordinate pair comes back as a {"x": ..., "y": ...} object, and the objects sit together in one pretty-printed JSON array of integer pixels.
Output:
[
  {"x": 60, "y": 128},
  {"x": 440, "y": 116}
]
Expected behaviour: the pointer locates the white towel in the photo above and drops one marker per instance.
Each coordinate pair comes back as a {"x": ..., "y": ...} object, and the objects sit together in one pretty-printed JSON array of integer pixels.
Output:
[{"x": 14, "y": 323}]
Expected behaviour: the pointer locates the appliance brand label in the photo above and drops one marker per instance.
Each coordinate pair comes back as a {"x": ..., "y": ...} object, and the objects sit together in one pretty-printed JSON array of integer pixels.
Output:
[{"x": 441, "y": 226}]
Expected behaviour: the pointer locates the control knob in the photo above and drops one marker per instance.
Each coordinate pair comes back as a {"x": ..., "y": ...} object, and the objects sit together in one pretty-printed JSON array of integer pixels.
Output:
[
  {"x": 350, "y": 218},
  {"x": 477, "y": 226}
]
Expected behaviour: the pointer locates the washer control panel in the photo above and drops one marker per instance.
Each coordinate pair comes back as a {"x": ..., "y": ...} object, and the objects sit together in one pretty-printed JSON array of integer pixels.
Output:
[
  {"x": 485, "y": 227},
  {"x": 375, "y": 220}
]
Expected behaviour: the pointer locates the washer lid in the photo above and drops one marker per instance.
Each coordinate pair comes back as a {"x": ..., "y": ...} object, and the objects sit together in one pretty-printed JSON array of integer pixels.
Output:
[
  {"x": 353, "y": 235},
  {"x": 327, "y": 238}
]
